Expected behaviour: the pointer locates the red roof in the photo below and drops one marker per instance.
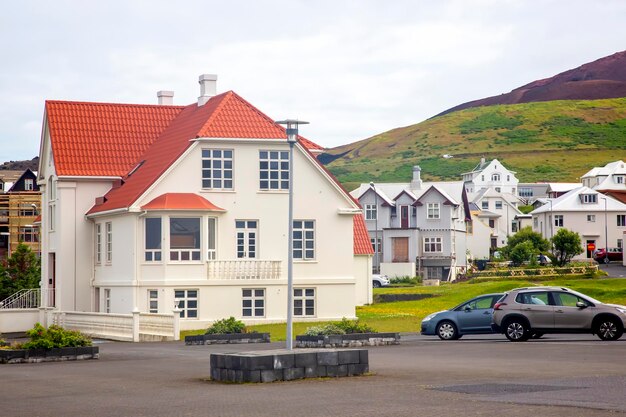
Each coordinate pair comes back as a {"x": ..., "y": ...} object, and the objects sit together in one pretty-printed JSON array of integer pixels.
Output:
[
  {"x": 181, "y": 201},
  {"x": 362, "y": 242},
  {"x": 100, "y": 139}
]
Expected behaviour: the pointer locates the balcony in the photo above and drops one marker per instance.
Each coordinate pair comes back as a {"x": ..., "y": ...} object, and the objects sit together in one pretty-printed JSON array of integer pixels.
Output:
[{"x": 243, "y": 269}]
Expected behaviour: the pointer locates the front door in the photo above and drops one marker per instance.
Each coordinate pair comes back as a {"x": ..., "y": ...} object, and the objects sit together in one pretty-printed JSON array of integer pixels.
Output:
[
  {"x": 400, "y": 247},
  {"x": 404, "y": 217}
]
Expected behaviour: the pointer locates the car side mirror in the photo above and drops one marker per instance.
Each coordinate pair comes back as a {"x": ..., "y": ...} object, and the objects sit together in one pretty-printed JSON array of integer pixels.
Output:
[
  {"x": 467, "y": 308},
  {"x": 580, "y": 304}
]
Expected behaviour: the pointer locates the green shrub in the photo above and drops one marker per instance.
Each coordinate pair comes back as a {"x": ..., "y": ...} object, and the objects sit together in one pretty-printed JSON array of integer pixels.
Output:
[
  {"x": 405, "y": 280},
  {"x": 54, "y": 337},
  {"x": 354, "y": 326},
  {"x": 227, "y": 326},
  {"x": 324, "y": 330}
]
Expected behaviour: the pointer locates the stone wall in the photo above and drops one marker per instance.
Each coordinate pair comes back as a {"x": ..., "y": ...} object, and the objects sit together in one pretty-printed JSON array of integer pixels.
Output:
[
  {"x": 209, "y": 339},
  {"x": 348, "y": 340},
  {"x": 286, "y": 365},
  {"x": 48, "y": 355}
]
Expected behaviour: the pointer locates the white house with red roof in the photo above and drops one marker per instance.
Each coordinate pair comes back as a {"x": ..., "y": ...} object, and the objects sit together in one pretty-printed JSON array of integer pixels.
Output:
[{"x": 151, "y": 206}]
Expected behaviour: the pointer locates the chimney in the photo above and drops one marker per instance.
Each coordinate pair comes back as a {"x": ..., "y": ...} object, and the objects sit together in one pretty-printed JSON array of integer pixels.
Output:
[
  {"x": 416, "y": 182},
  {"x": 208, "y": 85},
  {"x": 482, "y": 162},
  {"x": 166, "y": 98}
]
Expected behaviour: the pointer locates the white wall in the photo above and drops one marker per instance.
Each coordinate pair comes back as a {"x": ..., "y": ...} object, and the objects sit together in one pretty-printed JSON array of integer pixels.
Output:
[{"x": 18, "y": 320}]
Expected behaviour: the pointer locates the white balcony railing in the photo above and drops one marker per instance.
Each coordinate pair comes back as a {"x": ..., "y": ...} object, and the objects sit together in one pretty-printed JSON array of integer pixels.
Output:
[{"x": 243, "y": 269}]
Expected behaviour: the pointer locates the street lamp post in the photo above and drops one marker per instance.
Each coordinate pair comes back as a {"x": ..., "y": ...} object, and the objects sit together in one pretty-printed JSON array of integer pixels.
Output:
[
  {"x": 551, "y": 220},
  {"x": 292, "y": 138},
  {"x": 376, "y": 245},
  {"x": 606, "y": 232}
]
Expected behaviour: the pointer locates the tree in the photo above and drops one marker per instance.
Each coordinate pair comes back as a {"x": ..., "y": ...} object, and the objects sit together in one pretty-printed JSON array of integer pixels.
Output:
[
  {"x": 22, "y": 270},
  {"x": 526, "y": 234},
  {"x": 523, "y": 252},
  {"x": 566, "y": 245}
]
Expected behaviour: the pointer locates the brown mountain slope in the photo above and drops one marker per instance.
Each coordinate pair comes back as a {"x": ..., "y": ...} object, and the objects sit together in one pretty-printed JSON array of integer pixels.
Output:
[{"x": 603, "y": 78}]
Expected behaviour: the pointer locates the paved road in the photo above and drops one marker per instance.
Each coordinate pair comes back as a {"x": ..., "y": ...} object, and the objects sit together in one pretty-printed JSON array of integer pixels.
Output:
[
  {"x": 481, "y": 375},
  {"x": 614, "y": 269}
]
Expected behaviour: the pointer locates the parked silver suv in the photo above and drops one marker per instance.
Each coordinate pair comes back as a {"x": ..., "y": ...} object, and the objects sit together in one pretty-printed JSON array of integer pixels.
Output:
[{"x": 523, "y": 313}]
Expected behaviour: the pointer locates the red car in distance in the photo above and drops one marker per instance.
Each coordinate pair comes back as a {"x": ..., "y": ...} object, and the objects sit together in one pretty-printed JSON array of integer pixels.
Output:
[{"x": 615, "y": 254}]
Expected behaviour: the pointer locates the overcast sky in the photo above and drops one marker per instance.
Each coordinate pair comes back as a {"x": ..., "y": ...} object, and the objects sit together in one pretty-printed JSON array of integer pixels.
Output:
[{"x": 351, "y": 68}]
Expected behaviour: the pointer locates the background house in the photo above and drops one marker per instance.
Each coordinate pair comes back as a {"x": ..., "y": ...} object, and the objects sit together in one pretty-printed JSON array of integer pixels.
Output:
[
  {"x": 492, "y": 175},
  {"x": 151, "y": 206}
]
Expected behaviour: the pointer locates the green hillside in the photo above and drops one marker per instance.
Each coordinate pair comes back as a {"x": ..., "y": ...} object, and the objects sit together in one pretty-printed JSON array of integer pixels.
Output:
[{"x": 545, "y": 141}]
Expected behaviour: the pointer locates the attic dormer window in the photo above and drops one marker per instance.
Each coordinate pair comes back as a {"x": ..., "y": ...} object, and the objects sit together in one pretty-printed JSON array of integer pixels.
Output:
[
  {"x": 588, "y": 198},
  {"x": 619, "y": 179},
  {"x": 495, "y": 177}
]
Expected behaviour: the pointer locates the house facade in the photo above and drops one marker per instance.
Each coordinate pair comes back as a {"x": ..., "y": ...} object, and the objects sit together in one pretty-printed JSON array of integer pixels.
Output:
[
  {"x": 600, "y": 220},
  {"x": 499, "y": 212},
  {"x": 493, "y": 175},
  {"x": 417, "y": 228},
  {"x": 151, "y": 206}
]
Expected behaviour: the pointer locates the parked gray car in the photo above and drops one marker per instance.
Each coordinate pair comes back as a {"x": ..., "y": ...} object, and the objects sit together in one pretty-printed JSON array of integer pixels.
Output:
[
  {"x": 529, "y": 312},
  {"x": 470, "y": 317}
]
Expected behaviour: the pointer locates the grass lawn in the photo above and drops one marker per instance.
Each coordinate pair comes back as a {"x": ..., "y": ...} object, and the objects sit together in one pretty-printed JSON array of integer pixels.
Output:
[{"x": 406, "y": 316}]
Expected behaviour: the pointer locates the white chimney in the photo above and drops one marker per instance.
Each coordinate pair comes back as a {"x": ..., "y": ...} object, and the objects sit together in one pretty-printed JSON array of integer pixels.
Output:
[
  {"x": 208, "y": 86},
  {"x": 166, "y": 98},
  {"x": 416, "y": 182}
]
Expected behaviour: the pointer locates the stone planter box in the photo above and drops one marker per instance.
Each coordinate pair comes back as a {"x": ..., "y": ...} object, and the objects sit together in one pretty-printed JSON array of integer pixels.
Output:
[
  {"x": 210, "y": 339},
  {"x": 348, "y": 340},
  {"x": 48, "y": 355},
  {"x": 285, "y": 365}
]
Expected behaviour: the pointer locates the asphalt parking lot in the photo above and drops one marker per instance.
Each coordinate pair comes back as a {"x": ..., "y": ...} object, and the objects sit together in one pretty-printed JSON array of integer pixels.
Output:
[
  {"x": 614, "y": 269},
  {"x": 560, "y": 375}
]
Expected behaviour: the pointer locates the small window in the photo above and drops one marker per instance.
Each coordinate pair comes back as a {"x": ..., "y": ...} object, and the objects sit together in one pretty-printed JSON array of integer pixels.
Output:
[
  {"x": 304, "y": 239},
  {"x": 371, "y": 212},
  {"x": 153, "y": 301},
  {"x": 109, "y": 241},
  {"x": 217, "y": 169},
  {"x": 29, "y": 184},
  {"x": 498, "y": 205},
  {"x": 619, "y": 179},
  {"x": 558, "y": 220},
  {"x": 485, "y": 205},
  {"x": 432, "y": 244},
  {"x": 98, "y": 243},
  {"x": 253, "y": 302},
  {"x": 434, "y": 272},
  {"x": 433, "y": 211},
  {"x": 28, "y": 234},
  {"x": 621, "y": 220},
  {"x": 589, "y": 198},
  {"x": 304, "y": 302},
  {"x": 152, "y": 252},
  {"x": 274, "y": 170},
  {"x": 591, "y": 218},
  {"x": 187, "y": 301},
  {"x": 495, "y": 177},
  {"x": 377, "y": 246}
]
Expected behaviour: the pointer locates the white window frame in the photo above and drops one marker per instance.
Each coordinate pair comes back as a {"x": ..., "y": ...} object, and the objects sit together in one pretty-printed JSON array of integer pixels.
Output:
[
  {"x": 558, "y": 220},
  {"x": 498, "y": 204},
  {"x": 433, "y": 211},
  {"x": 218, "y": 169},
  {"x": 184, "y": 255},
  {"x": 495, "y": 177},
  {"x": 589, "y": 198},
  {"x": 304, "y": 304},
  {"x": 621, "y": 220},
  {"x": 153, "y": 301},
  {"x": 247, "y": 239},
  {"x": 183, "y": 300},
  {"x": 253, "y": 302},
  {"x": 591, "y": 218},
  {"x": 98, "y": 243},
  {"x": 273, "y": 170},
  {"x": 430, "y": 272},
  {"x": 211, "y": 238},
  {"x": 29, "y": 184},
  {"x": 484, "y": 205},
  {"x": 371, "y": 212},
  {"x": 153, "y": 255},
  {"x": 433, "y": 244},
  {"x": 107, "y": 300},
  {"x": 619, "y": 179},
  {"x": 377, "y": 246},
  {"x": 28, "y": 234},
  {"x": 108, "y": 227},
  {"x": 304, "y": 240}
]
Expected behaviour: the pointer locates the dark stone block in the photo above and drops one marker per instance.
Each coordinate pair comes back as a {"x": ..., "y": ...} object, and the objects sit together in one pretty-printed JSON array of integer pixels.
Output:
[
  {"x": 213, "y": 360},
  {"x": 231, "y": 375},
  {"x": 35, "y": 353},
  {"x": 284, "y": 361},
  {"x": 223, "y": 374},
  {"x": 232, "y": 362},
  {"x": 251, "y": 376},
  {"x": 348, "y": 356},
  {"x": 322, "y": 371},
  {"x": 342, "y": 370},
  {"x": 313, "y": 371},
  {"x": 290, "y": 374},
  {"x": 331, "y": 370},
  {"x": 68, "y": 351},
  {"x": 327, "y": 358},
  {"x": 304, "y": 360},
  {"x": 238, "y": 376},
  {"x": 215, "y": 374},
  {"x": 219, "y": 360},
  {"x": 260, "y": 363},
  {"x": 271, "y": 375},
  {"x": 357, "y": 369},
  {"x": 53, "y": 353},
  {"x": 7, "y": 355},
  {"x": 363, "y": 356}
]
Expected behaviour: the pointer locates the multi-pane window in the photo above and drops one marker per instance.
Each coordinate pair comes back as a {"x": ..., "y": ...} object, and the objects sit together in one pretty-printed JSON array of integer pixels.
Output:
[
  {"x": 217, "y": 169},
  {"x": 152, "y": 251},
  {"x": 432, "y": 244},
  {"x": 304, "y": 302},
  {"x": 535, "y": 222},
  {"x": 558, "y": 220},
  {"x": 485, "y": 205},
  {"x": 498, "y": 205},
  {"x": 29, "y": 184},
  {"x": 621, "y": 219},
  {"x": 619, "y": 179},
  {"x": 253, "y": 302},
  {"x": 153, "y": 301},
  {"x": 109, "y": 241},
  {"x": 377, "y": 245},
  {"x": 434, "y": 272},
  {"x": 371, "y": 212},
  {"x": 589, "y": 198},
  {"x": 495, "y": 177},
  {"x": 98, "y": 243},
  {"x": 212, "y": 241},
  {"x": 247, "y": 238},
  {"x": 433, "y": 211},
  {"x": 107, "y": 300},
  {"x": 273, "y": 170},
  {"x": 28, "y": 234},
  {"x": 304, "y": 239},
  {"x": 184, "y": 238},
  {"x": 187, "y": 301},
  {"x": 591, "y": 218},
  {"x": 28, "y": 209}
]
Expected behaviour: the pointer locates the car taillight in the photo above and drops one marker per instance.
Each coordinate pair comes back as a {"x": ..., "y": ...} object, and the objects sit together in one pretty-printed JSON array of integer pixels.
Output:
[{"x": 497, "y": 306}]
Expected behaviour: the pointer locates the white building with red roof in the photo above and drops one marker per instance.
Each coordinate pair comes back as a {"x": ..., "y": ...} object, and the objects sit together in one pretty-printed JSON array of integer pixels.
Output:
[{"x": 151, "y": 206}]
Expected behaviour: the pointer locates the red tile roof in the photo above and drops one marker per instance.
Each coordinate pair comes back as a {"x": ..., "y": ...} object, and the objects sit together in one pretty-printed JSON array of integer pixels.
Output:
[
  {"x": 362, "y": 242},
  {"x": 100, "y": 139},
  {"x": 181, "y": 201}
]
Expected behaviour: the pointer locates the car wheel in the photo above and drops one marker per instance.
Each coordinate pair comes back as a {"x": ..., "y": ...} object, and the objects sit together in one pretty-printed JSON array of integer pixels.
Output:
[
  {"x": 376, "y": 284},
  {"x": 446, "y": 330},
  {"x": 609, "y": 329},
  {"x": 536, "y": 335},
  {"x": 516, "y": 330}
]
